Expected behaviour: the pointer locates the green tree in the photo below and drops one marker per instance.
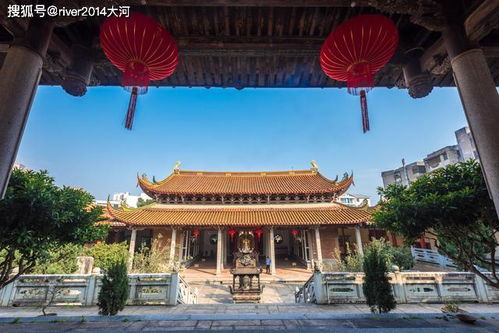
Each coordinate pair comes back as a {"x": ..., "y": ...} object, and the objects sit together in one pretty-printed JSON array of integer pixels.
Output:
[
  {"x": 452, "y": 206},
  {"x": 353, "y": 261},
  {"x": 36, "y": 216},
  {"x": 60, "y": 260},
  {"x": 106, "y": 255},
  {"x": 141, "y": 202},
  {"x": 376, "y": 287},
  {"x": 402, "y": 257},
  {"x": 115, "y": 288}
]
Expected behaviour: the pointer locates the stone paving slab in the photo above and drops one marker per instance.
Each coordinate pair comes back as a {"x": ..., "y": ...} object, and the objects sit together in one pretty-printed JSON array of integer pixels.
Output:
[
  {"x": 178, "y": 320},
  {"x": 374, "y": 324},
  {"x": 216, "y": 293},
  {"x": 250, "y": 317},
  {"x": 184, "y": 311}
]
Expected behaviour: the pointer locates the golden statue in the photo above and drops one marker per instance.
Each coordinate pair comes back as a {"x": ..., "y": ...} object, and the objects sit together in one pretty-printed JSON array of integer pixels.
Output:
[
  {"x": 315, "y": 167},
  {"x": 246, "y": 242},
  {"x": 176, "y": 167}
]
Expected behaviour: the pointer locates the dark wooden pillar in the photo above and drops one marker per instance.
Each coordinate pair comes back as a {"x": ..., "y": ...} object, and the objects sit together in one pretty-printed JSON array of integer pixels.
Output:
[
  {"x": 77, "y": 76},
  {"x": 423, "y": 242},
  {"x": 19, "y": 77},
  {"x": 417, "y": 81}
]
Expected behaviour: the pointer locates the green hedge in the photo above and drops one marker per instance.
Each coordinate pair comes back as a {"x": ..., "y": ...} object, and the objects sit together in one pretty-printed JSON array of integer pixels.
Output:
[{"x": 107, "y": 254}]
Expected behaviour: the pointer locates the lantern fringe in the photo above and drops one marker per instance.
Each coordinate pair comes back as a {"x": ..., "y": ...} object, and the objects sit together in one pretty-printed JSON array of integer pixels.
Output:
[
  {"x": 131, "y": 109},
  {"x": 365, "y": 114}
]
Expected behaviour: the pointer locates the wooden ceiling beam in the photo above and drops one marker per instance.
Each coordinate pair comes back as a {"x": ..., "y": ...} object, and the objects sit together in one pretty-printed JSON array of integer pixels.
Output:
[
  {"x": 478, "y": 25},
  {"x": 252, "y": 47},
  {"x": 16, "y": 27},
  {"x": 242, "y": 50},
  {"x": 483, "y": 20},
  {"x": 269, "y": 40},
  {"x": 249, "y": 51}
]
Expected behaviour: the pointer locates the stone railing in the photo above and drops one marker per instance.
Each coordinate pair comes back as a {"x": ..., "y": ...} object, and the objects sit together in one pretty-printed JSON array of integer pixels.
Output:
[
  {"x": 432, "y": 257},
  {"x": 408, "y": 287},
  {"x": 186, "y": 294},
  {"x": 306, "y": 293},
  {"x": 78, "y": 289}
]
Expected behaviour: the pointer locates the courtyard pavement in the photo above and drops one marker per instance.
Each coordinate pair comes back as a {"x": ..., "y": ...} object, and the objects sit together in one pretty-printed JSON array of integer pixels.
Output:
[
  {"x": 286, "y": 271},
  {"x": 217, "y": 293},
  {"x": 280, "y": 288},
  {"x": 277, "y": 311},
  {"x": 251, "y": 317}
]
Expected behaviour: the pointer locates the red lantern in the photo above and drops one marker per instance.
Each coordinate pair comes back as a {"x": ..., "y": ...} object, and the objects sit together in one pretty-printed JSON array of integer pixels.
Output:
[
  {"x": 195, "y": 233},
  {"x": 142, "y": 49},
  {"x": 232, "y": 232},
  {"x": 294, "y": 232},
  {"x": 356, "y": 50},
  {"x": 258, "y": 233}
]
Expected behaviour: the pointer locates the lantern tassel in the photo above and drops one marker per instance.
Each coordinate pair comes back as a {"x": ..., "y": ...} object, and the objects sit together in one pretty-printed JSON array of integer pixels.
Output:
[
  {"x": 131, "y": 109},
  {"x": 363, "y": 107}
]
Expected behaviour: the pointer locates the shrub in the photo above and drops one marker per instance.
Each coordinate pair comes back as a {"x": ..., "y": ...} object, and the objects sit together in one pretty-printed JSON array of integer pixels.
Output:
[
  {"x": 335, "y": 264},
  {"x": 399, "y": 256},
  {"x": 114, "y": 292},
  {"x": 107, "y": 254},
  {"x": 451, "y": 307},
  {"x": 353, "y": 260},
  {"x": 154, "y": 260},
  {"x": 61, "y": 260},
  {"x": 402, "y": 257},
  {"x": 377, "y": 288}
]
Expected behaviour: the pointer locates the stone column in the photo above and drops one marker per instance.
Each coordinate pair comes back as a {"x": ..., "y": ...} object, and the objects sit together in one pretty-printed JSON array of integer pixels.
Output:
[
  {"x": 272, "y": 250},
  {"x": 318, "y": 245},
  {"x": 358, "y": 239},
  {"x": 131, "y": 248},
  {"x": 219, "y": 252},
  {"x": 173, "y": 245},
  {"x": 225, "y": 251},
  {"x": 267, "y": 243},
  {"x": 19, "y": 77},
  {"x": 480, "y": 101}
]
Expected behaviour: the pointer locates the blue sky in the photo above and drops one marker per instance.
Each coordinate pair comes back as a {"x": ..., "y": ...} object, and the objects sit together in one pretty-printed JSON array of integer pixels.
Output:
[{"x": 82, "y": 142}]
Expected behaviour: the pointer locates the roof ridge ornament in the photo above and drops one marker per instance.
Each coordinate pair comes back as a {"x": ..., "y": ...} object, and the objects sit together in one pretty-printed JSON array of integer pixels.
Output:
[
  {"x": 315, "y": 167},
  {"x": 176, "y": 167},
  {"x": 124, "y": 205}
]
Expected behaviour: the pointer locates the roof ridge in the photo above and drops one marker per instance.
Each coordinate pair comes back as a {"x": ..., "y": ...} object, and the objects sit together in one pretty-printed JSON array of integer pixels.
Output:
[
  {"x": 172, "y": 208},
  {"x": 290, "y": 182},
  {"x": 247, "y": 173}
]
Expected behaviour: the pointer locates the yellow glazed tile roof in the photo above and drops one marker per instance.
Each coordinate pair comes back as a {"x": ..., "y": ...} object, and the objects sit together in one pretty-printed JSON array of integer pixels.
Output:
[
  {"x": 306, "y": 214},
  {"x": 184, "y": 182}
]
